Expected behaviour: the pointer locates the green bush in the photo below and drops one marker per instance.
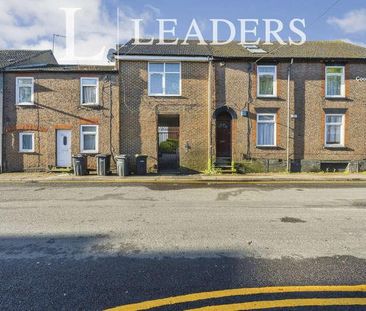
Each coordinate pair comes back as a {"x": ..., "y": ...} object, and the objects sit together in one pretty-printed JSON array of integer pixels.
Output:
[
  {"x": 169, "y": 146},
  {"x": 249, "y": 166}
]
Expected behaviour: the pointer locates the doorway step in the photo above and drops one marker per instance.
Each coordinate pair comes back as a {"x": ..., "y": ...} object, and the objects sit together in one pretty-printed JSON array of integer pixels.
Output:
[
  {"x": 224, "y": 164},
  {"x": 58, "y": 169}
]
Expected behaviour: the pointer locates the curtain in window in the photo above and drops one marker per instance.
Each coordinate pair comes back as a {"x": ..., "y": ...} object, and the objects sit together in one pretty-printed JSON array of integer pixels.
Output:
[
  {"x": 25, "y": 94},
  {"x": 266, "y": 134},
  {"x": 89, "y": 94},
  {"x": 333, "y": 134},
  {"x": 334, "y": 83},
  {"x": 89, "y": 142},
  {"x": 266, "y": 85}
]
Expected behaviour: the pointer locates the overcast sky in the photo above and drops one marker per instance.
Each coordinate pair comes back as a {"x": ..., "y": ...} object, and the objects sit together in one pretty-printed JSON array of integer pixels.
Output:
[{"x": 30, "y": 24}]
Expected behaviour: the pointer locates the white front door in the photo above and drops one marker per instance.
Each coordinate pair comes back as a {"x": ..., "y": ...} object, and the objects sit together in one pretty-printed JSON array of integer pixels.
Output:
[{"x": 64, "y": 148}]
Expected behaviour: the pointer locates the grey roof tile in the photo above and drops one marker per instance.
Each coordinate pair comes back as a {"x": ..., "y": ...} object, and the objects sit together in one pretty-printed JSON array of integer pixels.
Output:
[
  {"x": 17, "y": 57},
  {"x": 309, "y": 50}
]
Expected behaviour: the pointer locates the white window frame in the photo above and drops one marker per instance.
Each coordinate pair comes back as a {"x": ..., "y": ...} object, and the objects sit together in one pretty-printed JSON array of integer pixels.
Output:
[
  {"x": 21, "y": 149},
  {"x": 342, "y": 129},
  {"x": 96, "y": 93},
  {"x": 164, "y": 73},
  {"x": 17, "y": 86},
  {"x": 343, "y": 85},
  {"x": 275, "y": 128},
  {"x": 274, "y": 81},
  {"x": 82, "y": 139}
]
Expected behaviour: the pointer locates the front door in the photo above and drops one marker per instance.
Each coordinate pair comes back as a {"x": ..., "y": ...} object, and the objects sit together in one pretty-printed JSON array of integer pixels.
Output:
[
  {"x": 223, "y": 135},
  {"x": 63, "y": 148}
]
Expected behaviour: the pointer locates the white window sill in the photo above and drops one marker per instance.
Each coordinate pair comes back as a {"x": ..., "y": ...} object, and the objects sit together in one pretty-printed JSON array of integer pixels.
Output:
[
  {"x": 25, "y": 104},
  {"x": 164, "y": 95},
  {"x": 336, "y": 97},
  {"x": 90, "y": 104},
  {"x": 267, "y": 96},
  {"x": 89, "y": 152},
  {"x": 334, "y": 146},
  {"x": 266, "y": 146}
]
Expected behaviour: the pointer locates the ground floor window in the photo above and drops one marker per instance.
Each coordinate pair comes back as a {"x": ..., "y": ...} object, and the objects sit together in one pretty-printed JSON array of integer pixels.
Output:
[
  {"x": 89, "y": 138},
  {"x": 266, "y": 129},
  {"x": 334, "y": 130},
  {"x": 26, "y": 142}
]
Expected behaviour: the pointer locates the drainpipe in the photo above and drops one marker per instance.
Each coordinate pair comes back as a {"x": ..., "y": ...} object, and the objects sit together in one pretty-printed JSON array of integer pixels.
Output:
[
  {"x": 209, "y": 115},
  {"x": 288, "y": 117},
  {"x": 1, "y": 118}
]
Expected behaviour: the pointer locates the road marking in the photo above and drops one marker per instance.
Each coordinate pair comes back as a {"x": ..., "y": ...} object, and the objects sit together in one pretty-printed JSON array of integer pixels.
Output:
[
  {"x": 236, "y": 292},
  {"x": 286, "y": 303}
]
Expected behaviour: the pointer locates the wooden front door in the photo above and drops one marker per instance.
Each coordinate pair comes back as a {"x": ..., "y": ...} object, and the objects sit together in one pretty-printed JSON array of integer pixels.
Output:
[{"x": 223, "y": 135}]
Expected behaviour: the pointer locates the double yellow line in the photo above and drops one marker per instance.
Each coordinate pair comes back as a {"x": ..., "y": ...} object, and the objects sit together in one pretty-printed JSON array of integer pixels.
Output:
[{"x": 256, "y": 305}]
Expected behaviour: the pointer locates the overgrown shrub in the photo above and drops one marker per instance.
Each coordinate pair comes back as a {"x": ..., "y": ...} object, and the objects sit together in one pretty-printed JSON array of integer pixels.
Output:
[
  {"x": 169, "y": 146},
  {"x": 249, "y": 166}
]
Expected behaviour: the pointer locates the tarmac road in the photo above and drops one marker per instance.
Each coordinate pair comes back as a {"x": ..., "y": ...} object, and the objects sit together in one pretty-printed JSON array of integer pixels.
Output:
[{"x": 90, "y": 247}]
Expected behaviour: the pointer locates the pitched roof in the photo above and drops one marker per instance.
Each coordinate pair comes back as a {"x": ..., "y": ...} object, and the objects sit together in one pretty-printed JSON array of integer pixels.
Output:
[
  {"x": 64, "y": 68},
  {"x": 10, "y": 58},
  {"x": 309, "y": 50},
  {"x": 191, "y": 49}
]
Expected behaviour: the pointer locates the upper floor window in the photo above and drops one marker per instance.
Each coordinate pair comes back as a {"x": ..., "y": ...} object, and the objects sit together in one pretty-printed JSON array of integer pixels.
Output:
[
  {"x": 266, "y": 129},
  {"x": 89, "y": 91},
  {"x": 164, "y": 79},
  {"x": 334, "y": 130},
  {"x": 26, "y": 142},
  {"x": 89, "y": 138},
  {"x": 334, "y": 77},
  {"x": 267, "y": 81},
  {"x": 24, "y": 91}
]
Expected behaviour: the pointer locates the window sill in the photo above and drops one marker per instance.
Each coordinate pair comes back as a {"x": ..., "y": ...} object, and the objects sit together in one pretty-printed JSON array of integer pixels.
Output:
[
  {"x": 178, "y": 95},
  {"x": 336, "y": 98},
  {"x": 25, "y": 104},
  {"x": 27, "y": 152},
  {"x": 340, "y": 148},
  {"x": 267, "y": 97},
  {"x": 90, "y": 105},
  {"x": 267, "y": 147}
]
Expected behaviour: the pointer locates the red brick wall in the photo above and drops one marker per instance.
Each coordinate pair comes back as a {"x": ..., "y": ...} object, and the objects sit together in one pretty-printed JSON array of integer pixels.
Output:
[
  {"x": 139, "y": 114},
  {"x": 57, "y": 106}
]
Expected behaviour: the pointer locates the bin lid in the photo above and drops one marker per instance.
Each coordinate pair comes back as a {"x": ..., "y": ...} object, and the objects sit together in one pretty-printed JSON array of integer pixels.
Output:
[
  {"x": 141, "y": 155},
  {"x": 102, "y": 155},
  {"x": 122, "y": 156},
  {"x": 79, "y": 155}
]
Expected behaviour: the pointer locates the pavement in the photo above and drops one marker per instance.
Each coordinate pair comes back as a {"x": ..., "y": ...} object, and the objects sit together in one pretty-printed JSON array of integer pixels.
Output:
[
  {"x": 184, "y": 179},
  {"x": 93, "y": 246}
]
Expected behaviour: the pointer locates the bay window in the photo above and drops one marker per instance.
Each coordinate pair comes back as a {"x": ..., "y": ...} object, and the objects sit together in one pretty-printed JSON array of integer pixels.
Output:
[
  {"x": 266, "y": 81},
  {"x": 266, "y": 129},
  {"x": 334, "y": 81},
  {"x": 164, "y": 79}
]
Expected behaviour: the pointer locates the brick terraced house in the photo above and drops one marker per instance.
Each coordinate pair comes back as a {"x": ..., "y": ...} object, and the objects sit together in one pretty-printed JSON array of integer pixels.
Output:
[
  {"x": 191, "y": 107},
  {"x": 234, "y": 103},
  {"x": 52, "y": 111}
]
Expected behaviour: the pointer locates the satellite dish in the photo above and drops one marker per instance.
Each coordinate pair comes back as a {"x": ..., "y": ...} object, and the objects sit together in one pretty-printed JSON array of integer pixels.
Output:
[{"x": 111, "y": 54}]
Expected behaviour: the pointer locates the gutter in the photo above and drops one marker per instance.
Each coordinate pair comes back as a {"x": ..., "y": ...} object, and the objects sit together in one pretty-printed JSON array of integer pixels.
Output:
[
  {"x": 163, "y": 58},
  {"x": 288, "y": 116},
  {"x": 1, "y": 118},
  {"x": 209, "y": 115}
]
